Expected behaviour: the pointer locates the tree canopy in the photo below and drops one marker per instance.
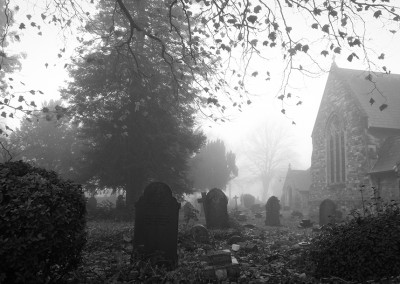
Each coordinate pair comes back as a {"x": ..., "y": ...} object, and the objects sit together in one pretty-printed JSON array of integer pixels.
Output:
[
  {"x": 137, "y": 129},
  {"x": 213, "y": 166},
  {"x": 48, "y": 143}
]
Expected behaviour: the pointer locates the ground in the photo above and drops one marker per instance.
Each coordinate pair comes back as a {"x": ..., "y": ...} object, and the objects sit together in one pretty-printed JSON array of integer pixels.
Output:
[
  {"x": 274, "y": 258},
  {"x": 275, "y": 255}
]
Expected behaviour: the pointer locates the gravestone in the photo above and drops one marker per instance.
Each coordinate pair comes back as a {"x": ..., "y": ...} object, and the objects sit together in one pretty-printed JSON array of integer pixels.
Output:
[
  {"x": 156, "y": 225},
  {"x": 215, "y": 207},
  {"x": 327, "y": 212},
  {"x": 200, "y": 234},
  {"x": 272, "y": 209}
]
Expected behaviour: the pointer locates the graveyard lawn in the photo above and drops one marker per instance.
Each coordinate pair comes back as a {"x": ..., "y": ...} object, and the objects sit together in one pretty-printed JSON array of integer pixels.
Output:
[{"x": 267, "y": 255}]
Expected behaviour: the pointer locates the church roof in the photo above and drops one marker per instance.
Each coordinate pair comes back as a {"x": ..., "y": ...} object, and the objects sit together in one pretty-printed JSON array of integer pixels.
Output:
[
  {"x": 389, "y": 155},
  {"x": 298, "y": 179},
  {"x": 382, "y": 88}
]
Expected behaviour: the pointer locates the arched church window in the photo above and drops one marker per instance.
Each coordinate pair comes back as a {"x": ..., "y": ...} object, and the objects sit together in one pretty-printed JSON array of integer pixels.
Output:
[{"x": 336, "y": 170}]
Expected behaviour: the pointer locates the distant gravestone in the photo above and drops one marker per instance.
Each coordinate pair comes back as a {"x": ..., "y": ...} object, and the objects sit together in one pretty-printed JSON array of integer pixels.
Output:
[
  {"x": 200, "y": 234},
  {"x": 156, "y": 225},
  {"x": 272, "y": 209},
  {"x": 215, "y": 205},
  {"x": 327, "y": 212}
]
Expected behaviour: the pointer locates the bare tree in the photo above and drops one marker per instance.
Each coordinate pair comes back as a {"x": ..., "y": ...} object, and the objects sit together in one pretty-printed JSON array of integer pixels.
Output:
[{"x": 267, "y": 153}]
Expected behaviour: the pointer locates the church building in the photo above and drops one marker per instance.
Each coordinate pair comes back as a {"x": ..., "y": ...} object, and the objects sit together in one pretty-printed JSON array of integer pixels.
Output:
[{"x": 356, "y": 139}]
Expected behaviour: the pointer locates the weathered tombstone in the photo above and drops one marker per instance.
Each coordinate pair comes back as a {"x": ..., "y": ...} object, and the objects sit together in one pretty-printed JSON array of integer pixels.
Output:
[
  {"x": 200, "y": 234},
  {"x": 215, "y": 206},
  {"x": 156, "y": 225},
  {"x": 327, "y": 212},
  {"x": 272, "y": 209}
]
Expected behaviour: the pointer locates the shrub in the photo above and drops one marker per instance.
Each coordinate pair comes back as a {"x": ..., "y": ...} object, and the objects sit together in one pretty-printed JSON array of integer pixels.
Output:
[
  {"x": 42, "y": 224},
  {"x": 364, "y": 247},
  {"x": 296, "y": 213},
  {"x": 190, "y": 213}
]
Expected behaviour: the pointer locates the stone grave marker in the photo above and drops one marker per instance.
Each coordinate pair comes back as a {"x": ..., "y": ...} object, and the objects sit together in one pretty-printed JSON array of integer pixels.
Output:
[
  {"x": 272, "y": 209},
  {"x": 200, "y": 234},
  {"x": 216, "y": 211},
  {"x": 327, "y": 212},
  {"x": 156, "y": 225},
  {"x": 221, "y": 265}
]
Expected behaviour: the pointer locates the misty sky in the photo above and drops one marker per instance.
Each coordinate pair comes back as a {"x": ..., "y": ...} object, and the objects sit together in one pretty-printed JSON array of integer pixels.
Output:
[{"x": 265, "y": 106}]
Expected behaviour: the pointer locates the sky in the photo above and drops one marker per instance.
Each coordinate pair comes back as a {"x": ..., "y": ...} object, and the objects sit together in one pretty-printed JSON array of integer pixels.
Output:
[{"x": 265, "y": 107}]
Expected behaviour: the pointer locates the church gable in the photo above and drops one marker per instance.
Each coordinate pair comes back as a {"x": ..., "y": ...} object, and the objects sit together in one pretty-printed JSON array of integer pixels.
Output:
[{"x": 347, "y": 131}]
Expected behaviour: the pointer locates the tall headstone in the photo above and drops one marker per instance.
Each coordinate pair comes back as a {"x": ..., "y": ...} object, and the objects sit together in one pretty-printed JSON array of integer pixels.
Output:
[
  {"x": 156, "y": 225},
  {"x": 327, "y": 212},
  {"x": 215, "y": 206},
  {"x": 272, "y": 209}
]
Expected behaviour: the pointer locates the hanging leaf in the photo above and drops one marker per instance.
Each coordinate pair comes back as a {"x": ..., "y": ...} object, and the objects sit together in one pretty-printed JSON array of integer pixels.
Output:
[
  {"x": 371, "y": 101},
  {"x": 22, "y": 26},
  {"x": 324, "y": 53},
  {"x": 305, "y": 48},
  {"x": 252, "y": 19},
  {"x": 337, "y": 50},
  {"x": 377, "y": 14},
  {"x": 325, "y": 28}
]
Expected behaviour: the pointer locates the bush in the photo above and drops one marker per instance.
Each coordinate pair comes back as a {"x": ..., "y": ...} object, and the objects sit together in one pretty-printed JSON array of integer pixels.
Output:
[
  {"x": 42, "y": 224},
  {"x": 296, "y": 213},
  {"x": 363, "y": 248}
]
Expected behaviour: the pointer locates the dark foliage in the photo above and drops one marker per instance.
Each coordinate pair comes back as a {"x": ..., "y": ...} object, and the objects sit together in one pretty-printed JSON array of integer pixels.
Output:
[
  {"x": 296, "y": 213},
  {"x": 106, "y": 211},
  {"x": 91, "y": 204},
  {"x": 42, "y": 224},
  {"x": 363, "y": 248}
]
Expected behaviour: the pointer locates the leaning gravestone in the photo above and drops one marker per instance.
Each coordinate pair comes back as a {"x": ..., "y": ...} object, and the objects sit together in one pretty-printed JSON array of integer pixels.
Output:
[
  {"x": 272, "y": 209},
  {"x": 156, "y": 225},
  {"x": 327, "y": 211},
  {"x": 215, "y": 205},
  {"x": 200, "y": 234}
]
